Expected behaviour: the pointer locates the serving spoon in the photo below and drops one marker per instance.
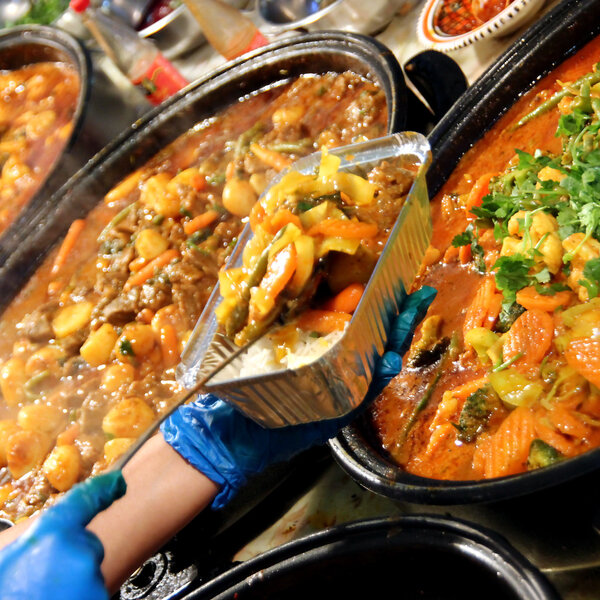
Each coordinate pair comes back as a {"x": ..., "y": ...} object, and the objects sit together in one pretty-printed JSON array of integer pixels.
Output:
[{"x": 12, "y": 10}]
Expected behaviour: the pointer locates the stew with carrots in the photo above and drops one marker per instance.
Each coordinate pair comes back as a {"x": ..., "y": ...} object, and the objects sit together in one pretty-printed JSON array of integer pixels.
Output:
[{"x": 90, "y": 345}]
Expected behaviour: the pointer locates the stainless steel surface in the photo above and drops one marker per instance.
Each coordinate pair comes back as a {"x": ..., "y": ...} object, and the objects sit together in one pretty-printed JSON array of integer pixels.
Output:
[
  {"x": 178, "y": 32},
  {"x": 336, "y": 383},
  {"x": 11, "y": 10},
  {"x": 316, "y": 15},
  {"x": 131, "y": 11}
]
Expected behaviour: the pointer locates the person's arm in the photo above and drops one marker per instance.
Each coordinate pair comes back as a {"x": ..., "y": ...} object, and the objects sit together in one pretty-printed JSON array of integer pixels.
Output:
[{"x": 163, "y": 494}]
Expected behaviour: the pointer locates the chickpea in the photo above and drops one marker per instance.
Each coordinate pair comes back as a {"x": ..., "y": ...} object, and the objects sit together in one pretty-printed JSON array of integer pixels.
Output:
[
  {"x": 149, "y": 244},
  {"x": 40, "y": 417},
  {"x": 115, "y": 448},
  {"x": 7, "y": 428},
  {"x": 117, "y": 375},
  {"x": 25, "y": 450},
  {"x": 239, "y": 197},
  {"x": 137, "y": 339},
  {"x": 62, "y": 467},
  {"x": 12, "y": 380},
  {"x": 129, "y": 418},
  {"x": 259, "y": 182}
]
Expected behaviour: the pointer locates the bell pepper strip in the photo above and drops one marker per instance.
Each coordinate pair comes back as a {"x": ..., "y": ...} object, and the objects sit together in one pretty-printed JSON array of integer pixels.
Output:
[
  {"x": 344, "y": 229},
  {"x": 323, "y": 321},
  {"x": 347, "y": 300}
]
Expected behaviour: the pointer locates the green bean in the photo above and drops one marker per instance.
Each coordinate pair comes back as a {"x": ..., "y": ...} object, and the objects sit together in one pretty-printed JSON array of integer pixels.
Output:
[
  {"x": 32, "y": 382},
  {"x": 587, "y": 80},
  {"x": 290, "y": 147}
]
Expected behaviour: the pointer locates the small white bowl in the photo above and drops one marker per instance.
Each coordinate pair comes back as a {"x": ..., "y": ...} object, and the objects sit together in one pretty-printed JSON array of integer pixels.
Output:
[{"x": 513, "y": 16}]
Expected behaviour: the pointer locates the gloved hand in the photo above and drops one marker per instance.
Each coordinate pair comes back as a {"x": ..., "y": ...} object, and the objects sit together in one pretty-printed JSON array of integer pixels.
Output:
[
  {"x": 228, "y": 447},
  {"x": 57, "y": 558}
]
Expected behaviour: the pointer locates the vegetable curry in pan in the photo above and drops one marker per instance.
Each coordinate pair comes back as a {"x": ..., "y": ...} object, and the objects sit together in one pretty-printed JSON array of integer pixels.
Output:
[
  {"x": 503, "y": 375},
  {"x": 90, "y": 344}
]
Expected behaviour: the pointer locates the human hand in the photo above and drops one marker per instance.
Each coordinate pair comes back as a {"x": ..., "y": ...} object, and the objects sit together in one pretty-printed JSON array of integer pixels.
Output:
[
  {"x": 57, "y": 557},
  {"x": 228, "y": 447}
]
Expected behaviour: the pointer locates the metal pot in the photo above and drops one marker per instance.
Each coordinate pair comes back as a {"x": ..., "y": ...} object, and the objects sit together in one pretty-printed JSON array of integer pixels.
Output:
[
  {"x": 102, "y": 111},
  {"x": 558, "y": 35},
  {"x": 344, "y": 15},
  {"x": 417, "y": 557}
]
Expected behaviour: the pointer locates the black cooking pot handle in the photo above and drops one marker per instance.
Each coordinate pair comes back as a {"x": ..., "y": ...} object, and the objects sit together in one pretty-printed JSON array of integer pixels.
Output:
[{"x": 440, "y": 81}]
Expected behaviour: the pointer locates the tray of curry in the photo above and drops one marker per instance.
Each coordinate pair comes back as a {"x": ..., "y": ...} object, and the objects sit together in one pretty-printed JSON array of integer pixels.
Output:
[
  {"x": 114, "y": 276},
  {"x": 499, "y": 391}
]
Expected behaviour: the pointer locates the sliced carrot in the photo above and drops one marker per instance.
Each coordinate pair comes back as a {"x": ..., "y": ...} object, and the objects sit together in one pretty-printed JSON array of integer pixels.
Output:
[
  {"x": 200, "y": 222},
  {"x": 466, "y": 389},
  {"x": 273, "y": 159},
  {"x": 450, "y": 255},
  {"x": 566, "y": 422},
  {"x": 583, "y": 354},
  {"x": 279, "y": 272},
  {"x": 347, "y": 229},
  {"x": 531, "y": 336},
  {"x": 465, "y": 254},
  {"x": 548, "y": 434},
  {"x": 66, "y": 247},
  {"x": 509, "y": 448},
  {"x": 257, "y": 215},
  {"x": 484, "y": 308},
  {"x": 169, "y": 345},
  {"x": 477, "y": 193},
  {"x": 347, "y": 300},
  {"x": 323, "y": 321},
  {"x": 281, "y": 218},
  {"x": 148, "y": 271},
  {"x": 530, "y": 298}
]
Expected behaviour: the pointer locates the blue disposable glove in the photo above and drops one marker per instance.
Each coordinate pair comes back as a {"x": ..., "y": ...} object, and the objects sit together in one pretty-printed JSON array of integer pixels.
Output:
[
  {"x": 228, "y": 447},
  {"x": 57, "y": 558}
]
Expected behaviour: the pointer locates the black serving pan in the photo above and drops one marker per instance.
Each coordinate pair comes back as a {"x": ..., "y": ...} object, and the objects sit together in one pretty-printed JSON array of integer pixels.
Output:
[
  {"x": 562, "y": 32},
  {"x": 102, "y": 111},
  {"x": 408, "y": 557}
]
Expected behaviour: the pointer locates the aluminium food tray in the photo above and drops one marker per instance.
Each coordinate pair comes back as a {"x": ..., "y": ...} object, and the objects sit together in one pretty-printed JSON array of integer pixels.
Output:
[{"x": 336, "y": 383}]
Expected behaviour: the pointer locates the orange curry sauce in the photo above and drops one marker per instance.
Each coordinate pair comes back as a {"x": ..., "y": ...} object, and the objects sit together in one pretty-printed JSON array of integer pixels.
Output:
[{"x": 430, "y": 446}]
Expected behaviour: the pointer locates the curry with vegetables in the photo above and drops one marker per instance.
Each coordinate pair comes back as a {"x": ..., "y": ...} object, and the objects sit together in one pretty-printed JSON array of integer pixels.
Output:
[
  {"x": 90, "y": 345},
  {"x": 316, "y": 240},
  {"x": 503, "y": 375},
  {"x": 36, "y": 122}
]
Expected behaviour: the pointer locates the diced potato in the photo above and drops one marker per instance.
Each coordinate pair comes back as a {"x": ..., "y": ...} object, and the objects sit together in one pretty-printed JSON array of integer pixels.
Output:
[
  {"x": 117, "y": 375},
  {"x": 149, "y": 243},
  {"x": 12, "y": 380},
  {"x": 154, "y": 195},
  {"x": 62, "y": 467},
  {"x": 481, "y": 339},
  {"x": 288, "y": 115},
  {"x": 7, "y": 428},
  {"x": 41, "y": 418},
  {"x": 129, "y": 418},
  {"x": 115, "y": 448},
  {"x": 46, "y": 358},
  {"x": 25, "y": 451},
  {"x": 330, "y": 163},
  {"x": 98, "y": 347},
  {"x": 239, "y": 197},
  {"x": 72, "y": 318},
  {"x": 136, "y": 338}
]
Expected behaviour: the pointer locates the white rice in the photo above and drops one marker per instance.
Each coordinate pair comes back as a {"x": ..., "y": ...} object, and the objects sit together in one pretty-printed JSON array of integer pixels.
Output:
[{"x": 260, "y": 357}]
